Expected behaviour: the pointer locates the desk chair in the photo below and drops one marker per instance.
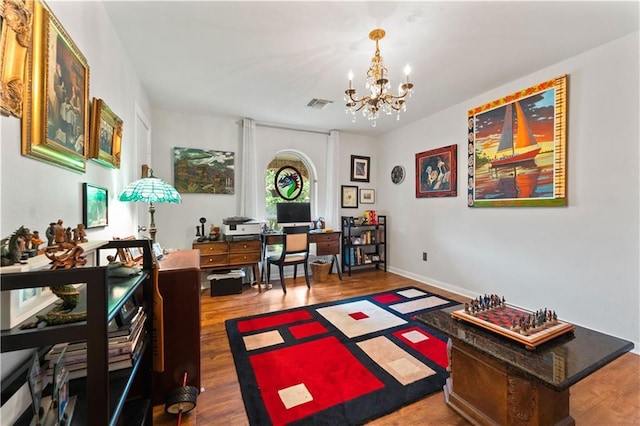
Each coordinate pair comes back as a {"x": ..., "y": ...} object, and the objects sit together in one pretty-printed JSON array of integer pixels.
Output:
[{"x": 295, "y": 251}]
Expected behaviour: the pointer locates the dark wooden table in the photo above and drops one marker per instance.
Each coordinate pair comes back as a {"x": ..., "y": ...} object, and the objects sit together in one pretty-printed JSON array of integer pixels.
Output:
[{"x": 495, "y": 380}]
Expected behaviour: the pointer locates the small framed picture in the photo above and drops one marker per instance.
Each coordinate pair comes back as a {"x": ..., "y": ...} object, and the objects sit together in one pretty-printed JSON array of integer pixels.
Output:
[
  {"x": 349, "y": 197},
  {"x": 360, "y": 168},
  {"x": 106, "y": 135},
  {"x": 95, "y": 206},
  {"x": 367, "y": 196}
]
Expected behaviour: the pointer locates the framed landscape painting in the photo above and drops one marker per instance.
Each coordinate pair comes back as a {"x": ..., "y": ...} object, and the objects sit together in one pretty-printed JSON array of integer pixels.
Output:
[
  {"x": 517, "y": 148},
  {"x": 436, "y": 172},
  {"x": 203, "y": 171},
  {"x": 55, "y": 124}
]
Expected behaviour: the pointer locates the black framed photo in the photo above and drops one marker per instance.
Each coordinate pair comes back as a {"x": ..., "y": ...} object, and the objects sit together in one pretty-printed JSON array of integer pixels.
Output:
[
  {"x": 95, "y": 206},
  {"x": 349, "y": 197},
  {"x": 360, "y": 168},
  {"x": 127, "y": 311}
]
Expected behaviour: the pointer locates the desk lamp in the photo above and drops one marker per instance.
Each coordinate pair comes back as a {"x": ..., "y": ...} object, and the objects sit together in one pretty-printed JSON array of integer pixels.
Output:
[{"x": 150, "y": 189}]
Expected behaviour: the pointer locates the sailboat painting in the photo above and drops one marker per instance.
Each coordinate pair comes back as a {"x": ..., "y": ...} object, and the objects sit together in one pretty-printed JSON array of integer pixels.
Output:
[{"x": 517, "y": 148}]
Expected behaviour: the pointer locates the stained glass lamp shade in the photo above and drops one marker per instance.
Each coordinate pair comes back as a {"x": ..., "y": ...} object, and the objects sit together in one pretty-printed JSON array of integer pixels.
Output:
[{"x": 151, "y": 190}]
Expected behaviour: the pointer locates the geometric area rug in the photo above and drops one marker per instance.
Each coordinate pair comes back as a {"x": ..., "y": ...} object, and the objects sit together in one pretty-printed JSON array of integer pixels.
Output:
[{"x": 344, "y": 362}]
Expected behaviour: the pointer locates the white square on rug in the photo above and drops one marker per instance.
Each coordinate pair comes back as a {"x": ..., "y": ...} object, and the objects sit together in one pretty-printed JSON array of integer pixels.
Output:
[
  {"x": 411, "y": 293},
  {"x": 415, "y": 336},
  {"x": 418, "y": 304},
  {"x": 295, "y": 395},
  {"x": 262, "y": 340},
  {"x": 359, "y": 318}
]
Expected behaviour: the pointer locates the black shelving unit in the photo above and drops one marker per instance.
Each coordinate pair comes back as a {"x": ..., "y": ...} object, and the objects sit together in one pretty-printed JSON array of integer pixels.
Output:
[
  {"x": 364, "y": 245},
  {"x": 103, "y": 397}
]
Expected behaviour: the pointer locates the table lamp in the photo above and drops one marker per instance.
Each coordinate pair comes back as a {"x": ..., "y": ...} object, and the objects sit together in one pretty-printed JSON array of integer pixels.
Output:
[{"x": 150, "y": 189}]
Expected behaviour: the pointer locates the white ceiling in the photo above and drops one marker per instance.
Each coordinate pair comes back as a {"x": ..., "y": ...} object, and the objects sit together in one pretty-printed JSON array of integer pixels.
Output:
[{"x": 267, "y": 60}]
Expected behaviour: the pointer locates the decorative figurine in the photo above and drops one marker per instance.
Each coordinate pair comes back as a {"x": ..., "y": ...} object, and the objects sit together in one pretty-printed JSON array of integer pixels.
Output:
[
  {"x": 79, "y": 235},
  {"x": 50, "y": 233},
  {"x": 36, "y": 242},
  {"x": 214, "y": 233},
  {"x": 10, "y": 247}
]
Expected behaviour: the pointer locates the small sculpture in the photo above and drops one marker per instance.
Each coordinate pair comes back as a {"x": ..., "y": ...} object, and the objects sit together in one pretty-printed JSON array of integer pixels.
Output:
[
  {"x": 36, "y": 242},
  {"x": 50, "y": 233},
  {"x": 79, "y": 235},
  {"x": 12, "y": 247}
]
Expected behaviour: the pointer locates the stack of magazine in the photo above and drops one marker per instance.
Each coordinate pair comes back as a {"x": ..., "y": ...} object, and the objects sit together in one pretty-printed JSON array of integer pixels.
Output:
[{"x": 125, "y": 346}]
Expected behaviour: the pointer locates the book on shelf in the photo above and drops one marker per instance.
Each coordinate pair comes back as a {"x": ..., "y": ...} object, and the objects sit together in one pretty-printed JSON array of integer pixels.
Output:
[{"x": 78, "y": 369}]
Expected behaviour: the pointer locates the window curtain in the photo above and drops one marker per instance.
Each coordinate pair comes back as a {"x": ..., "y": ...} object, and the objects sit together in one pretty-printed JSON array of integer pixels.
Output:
[
  {"x": 249, "y": 182},
  {"x": 332, "y": 214}
]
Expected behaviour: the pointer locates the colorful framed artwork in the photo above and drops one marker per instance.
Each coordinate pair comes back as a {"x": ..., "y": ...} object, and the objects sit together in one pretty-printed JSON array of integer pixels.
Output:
[
  {"x": 15, "y": 38},
  {"x": 518, "y": 147},
  {"x": 203, "y": 171},
  {"x": 55, "y": 123},
  {"x": 288, "y": 183},
  {"x": 436, "y": 172},
  {"x": 367, "y": 196},
  {"x": 106, "y": 135},
  {"x": 360, "y": 168},
  {"x": 95, "y": 206},
  {"x": 349, "y": 196}
]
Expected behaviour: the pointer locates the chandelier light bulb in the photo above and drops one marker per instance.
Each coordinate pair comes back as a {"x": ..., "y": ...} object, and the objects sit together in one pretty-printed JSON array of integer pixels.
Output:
[{"x": 378, "y": 87}]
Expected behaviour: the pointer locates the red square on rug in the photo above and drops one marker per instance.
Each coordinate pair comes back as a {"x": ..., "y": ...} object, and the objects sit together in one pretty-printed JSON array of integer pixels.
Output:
[
  {"x": 271, "y": 321},
  {"x": 311, "y": 367},
  {"x": 387, "y": 298},
  {"x": 309, "y": 329},
  {"x": 358, "y": 315}
]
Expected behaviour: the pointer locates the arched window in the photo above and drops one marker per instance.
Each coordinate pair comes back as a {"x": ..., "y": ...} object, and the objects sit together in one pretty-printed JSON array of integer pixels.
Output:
[{"x": 286, "y": 161}]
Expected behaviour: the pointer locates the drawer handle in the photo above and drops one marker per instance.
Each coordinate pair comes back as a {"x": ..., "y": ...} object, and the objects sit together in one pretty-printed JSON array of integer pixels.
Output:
[{"x": 245, "y": 246}]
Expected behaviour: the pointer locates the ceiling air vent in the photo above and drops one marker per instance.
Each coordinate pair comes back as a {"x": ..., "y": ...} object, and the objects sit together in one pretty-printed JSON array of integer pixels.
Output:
[{"x": 318, "y": 103}]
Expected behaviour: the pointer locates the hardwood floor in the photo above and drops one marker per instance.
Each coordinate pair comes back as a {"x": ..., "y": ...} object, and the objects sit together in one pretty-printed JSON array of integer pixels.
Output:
[{"x": 610, "y": 396}]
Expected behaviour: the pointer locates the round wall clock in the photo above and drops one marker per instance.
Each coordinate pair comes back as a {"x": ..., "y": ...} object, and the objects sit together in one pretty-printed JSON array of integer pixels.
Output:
[
  {"x": 288, "y": 182},
  {"x": 397, "y": 174}
]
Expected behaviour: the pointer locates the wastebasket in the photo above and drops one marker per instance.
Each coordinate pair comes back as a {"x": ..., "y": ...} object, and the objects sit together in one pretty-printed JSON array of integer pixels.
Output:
[
  {"x": 225, "y": 283},
  {"x": 320, "y": 270}
]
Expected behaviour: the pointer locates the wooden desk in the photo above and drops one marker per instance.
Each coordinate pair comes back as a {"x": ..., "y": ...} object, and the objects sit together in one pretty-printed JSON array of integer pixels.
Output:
[
  {"x": 179, "y": 283},
  {"x": 327, "y": 244},
  {"x": 497, "y": 381},
  {"x": 218, "y": 255}
]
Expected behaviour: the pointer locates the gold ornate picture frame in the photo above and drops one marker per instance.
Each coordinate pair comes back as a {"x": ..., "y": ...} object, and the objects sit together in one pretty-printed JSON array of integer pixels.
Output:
[
  {"x": 15, "y": 38},
  {"x": 106, "y": 135},
  {"x": 55, "y": 122}
]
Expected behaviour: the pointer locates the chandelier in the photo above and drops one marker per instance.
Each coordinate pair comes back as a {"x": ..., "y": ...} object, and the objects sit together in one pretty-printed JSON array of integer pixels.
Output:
[{"x": 378, "y": 86}]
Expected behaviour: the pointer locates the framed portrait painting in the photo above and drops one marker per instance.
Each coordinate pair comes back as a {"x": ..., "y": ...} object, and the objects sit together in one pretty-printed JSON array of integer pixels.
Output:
[
  {"x": 106, "y": 135},
  {"x": 436, "y": 172},
  {"x": 360, "y": 168},
  {"x": 95, "y": 206},
  {"x": 55, "y": 124},
  {"x": 517, "y": 148},
  {"x": 349, "y": 197}
]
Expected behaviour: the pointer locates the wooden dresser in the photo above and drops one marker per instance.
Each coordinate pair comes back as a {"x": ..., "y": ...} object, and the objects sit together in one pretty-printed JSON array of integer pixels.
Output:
[
  {"x": 179, "y": 285},
  {"x": 230, "y": 254}
]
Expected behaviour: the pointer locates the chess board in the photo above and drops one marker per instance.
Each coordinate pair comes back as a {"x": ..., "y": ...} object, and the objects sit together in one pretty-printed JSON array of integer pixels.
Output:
[{"x": 500, "y": 320}]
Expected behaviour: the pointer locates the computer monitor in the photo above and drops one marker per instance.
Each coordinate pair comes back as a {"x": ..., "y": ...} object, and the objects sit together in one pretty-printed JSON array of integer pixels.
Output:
[{"x": 293, "y": 214}]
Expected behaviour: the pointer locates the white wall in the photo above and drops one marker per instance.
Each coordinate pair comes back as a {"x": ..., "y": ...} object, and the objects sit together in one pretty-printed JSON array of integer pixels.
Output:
[
  {"x": 177, "y": 223},
  {"x": 581, "y": 260},
  {"x": 34, "y": 193}
]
